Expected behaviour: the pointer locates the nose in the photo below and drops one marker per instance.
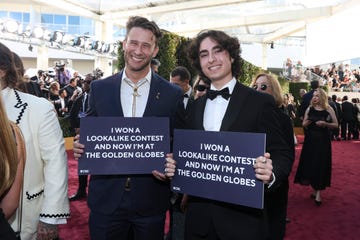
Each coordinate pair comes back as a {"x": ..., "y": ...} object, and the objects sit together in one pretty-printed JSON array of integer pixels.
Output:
[
  {"x": 212, "y": 57},
  {"x": 138, "y": 49}
]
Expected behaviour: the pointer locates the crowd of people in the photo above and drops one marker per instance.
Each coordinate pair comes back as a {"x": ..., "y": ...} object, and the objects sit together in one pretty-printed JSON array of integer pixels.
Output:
[
  {"x": 338, "y": 77},
  {"x": 134, "y": 206},
  {"x": 347, "y": 113}
]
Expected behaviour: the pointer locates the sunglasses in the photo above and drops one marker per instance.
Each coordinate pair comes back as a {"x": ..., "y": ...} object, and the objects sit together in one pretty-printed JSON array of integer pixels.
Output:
[
  {"x": 201, "y": 88},
  {"x": 262, "y": 87}
]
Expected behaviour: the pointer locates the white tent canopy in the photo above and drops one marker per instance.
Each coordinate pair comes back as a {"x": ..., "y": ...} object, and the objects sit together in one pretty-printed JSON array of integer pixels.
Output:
[{"x": 283, "y": 22}]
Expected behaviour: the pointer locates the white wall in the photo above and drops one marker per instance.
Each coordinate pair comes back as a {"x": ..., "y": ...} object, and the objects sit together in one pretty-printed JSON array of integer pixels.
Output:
[
  {"x": 334, "y": 39},
  {"x": 276, "y": 56}
]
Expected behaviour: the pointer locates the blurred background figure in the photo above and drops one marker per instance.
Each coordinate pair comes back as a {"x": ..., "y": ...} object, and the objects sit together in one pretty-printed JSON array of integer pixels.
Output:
[
  {"x": 78, "y": 111},
  {"x": 306, "y": 98},
  {"x": 155, "y": 64},
  {"x": 181, "y": 77},
  {"x": 347, "y": 119},
  {"x": 314, "y": 167},
  {"x": 201, "y": 85},
  {"x": 336, "y": 131},
  {"x": 62, "y": 74},
  {"x": 277, "y": 200}
]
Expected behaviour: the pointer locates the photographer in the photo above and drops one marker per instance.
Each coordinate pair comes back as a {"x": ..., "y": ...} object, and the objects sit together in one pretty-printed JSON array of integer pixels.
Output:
[
  {"x": 97, "y": 73},
  {"x": 73, "y": 91},
  {"x": 63, "y": 75}
]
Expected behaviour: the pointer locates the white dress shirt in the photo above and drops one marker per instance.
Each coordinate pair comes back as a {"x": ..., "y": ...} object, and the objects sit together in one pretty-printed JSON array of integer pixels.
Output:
[
  {"x": 215, "y": 109},
  {"x": 126, "y": 95}
]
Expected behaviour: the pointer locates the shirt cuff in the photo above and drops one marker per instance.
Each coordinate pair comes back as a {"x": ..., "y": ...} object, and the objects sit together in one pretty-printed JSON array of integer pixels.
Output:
[{"x": 272, "y": 182}]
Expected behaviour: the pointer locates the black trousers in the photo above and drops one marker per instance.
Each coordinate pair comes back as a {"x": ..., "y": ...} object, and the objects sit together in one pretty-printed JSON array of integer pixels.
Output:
[{"x": 126, "y": 223}]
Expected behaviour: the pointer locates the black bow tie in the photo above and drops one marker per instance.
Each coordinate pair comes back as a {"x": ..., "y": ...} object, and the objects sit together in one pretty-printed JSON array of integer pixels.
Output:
[
  {"x": 212, "y": 94},
  {"x": 186, "y": 95}
]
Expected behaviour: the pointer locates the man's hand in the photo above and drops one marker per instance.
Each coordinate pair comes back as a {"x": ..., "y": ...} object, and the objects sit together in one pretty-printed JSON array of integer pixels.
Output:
[
  {"x": 169, "y": 170},
  {"x": 263, "y": 168},
  {"x": 47, "y": 231},
  {"x": 78, "y": 148}
]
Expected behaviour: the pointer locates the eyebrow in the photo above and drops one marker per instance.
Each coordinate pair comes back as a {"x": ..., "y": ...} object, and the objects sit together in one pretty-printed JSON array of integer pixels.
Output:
[{"x": 216, "y": 47}]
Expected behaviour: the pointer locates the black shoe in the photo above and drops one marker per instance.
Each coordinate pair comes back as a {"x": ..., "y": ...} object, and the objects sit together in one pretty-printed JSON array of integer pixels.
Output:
[
  {"x": 318, "y": 203},
  {"x": 77, "y": 196}
]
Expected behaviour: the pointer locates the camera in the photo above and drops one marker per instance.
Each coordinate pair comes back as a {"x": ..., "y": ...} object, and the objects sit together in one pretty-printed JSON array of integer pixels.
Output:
[
  {"x": 60, "y": 67},
  {"x": 97, "y": 73}
]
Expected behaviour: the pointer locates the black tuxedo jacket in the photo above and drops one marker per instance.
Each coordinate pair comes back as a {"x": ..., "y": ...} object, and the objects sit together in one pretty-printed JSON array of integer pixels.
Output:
[
  {"x": 347, "y": 111},
  {"x": 149, "y": 195},
  {"x": 248, "y": 111},
  {"x": 75, "y": 110}
]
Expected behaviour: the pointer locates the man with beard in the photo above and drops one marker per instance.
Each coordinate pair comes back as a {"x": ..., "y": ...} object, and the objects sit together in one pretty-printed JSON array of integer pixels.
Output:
[{"x": 126, "y": 205}]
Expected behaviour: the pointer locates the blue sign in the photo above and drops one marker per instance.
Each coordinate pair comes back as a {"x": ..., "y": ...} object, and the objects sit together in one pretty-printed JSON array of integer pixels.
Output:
[
  {"x": 219, "y": 166},
  {"x": 115, "y": 145}
]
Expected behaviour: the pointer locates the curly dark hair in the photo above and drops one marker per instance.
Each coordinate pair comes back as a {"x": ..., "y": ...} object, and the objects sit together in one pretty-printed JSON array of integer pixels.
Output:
[
  {"x": 7, "y": 64},
  {"x": 137, "y": 21},
  {"x": 230, "y": 44}
]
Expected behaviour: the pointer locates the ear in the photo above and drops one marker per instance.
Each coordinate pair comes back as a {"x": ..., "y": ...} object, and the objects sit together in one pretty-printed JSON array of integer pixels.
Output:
[{"x": 156, "y": 50}]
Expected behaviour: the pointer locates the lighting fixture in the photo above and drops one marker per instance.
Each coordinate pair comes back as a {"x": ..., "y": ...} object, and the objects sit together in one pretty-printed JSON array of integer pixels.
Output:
[
  {"x": 57, "y": 36},
  {"x": 68, "y": 39},
  {"x": 11, "y": 26},
  {"x": 79, "y": 41},
  {"x": 28, "y": 31},
  {"x": 47, "y": 35},
  {"x": 38, "y": 32}
]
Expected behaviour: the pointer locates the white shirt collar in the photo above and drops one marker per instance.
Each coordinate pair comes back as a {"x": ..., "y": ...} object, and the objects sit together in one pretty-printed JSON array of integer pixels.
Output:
[
  {"x": 231, "y": 85},
  {"x": 146, "y": 78}
]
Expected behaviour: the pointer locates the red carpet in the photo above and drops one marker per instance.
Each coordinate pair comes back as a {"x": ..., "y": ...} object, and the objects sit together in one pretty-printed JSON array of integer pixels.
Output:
[{"x": 337, "y": 217}]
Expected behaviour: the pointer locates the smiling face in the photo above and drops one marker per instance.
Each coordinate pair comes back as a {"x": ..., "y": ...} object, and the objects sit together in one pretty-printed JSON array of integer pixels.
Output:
[
  {"x": 139, "y": 48},
  {"x": 215, "y": 62}
]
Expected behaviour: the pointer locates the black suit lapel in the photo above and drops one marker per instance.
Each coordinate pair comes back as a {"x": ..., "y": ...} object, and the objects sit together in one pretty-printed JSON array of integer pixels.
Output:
[
  {"x": 237, "y": 100},
  {"x": 199, "y": 113},
  {"x": 190, "y": 101},
  {"x": 154, "y": 95},
  {"x": 117, "y": 103}
]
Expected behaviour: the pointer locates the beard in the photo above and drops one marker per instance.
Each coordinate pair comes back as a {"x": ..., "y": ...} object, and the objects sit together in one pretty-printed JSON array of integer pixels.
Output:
[{"x": 136, "y": 67}]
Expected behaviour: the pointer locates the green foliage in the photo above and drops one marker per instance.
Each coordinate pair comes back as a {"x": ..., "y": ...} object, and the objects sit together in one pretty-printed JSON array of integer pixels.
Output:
[
  {"x": 66, "y": 127},
  {"x": 284, "y": 83},
  {"x": 249, "y": 71},
  {"x": 167, "y": 52},
  {"x": 121, "y": 60},
  {"x": 181, "y": 56},
  {"x": 294, "y": 88}
]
